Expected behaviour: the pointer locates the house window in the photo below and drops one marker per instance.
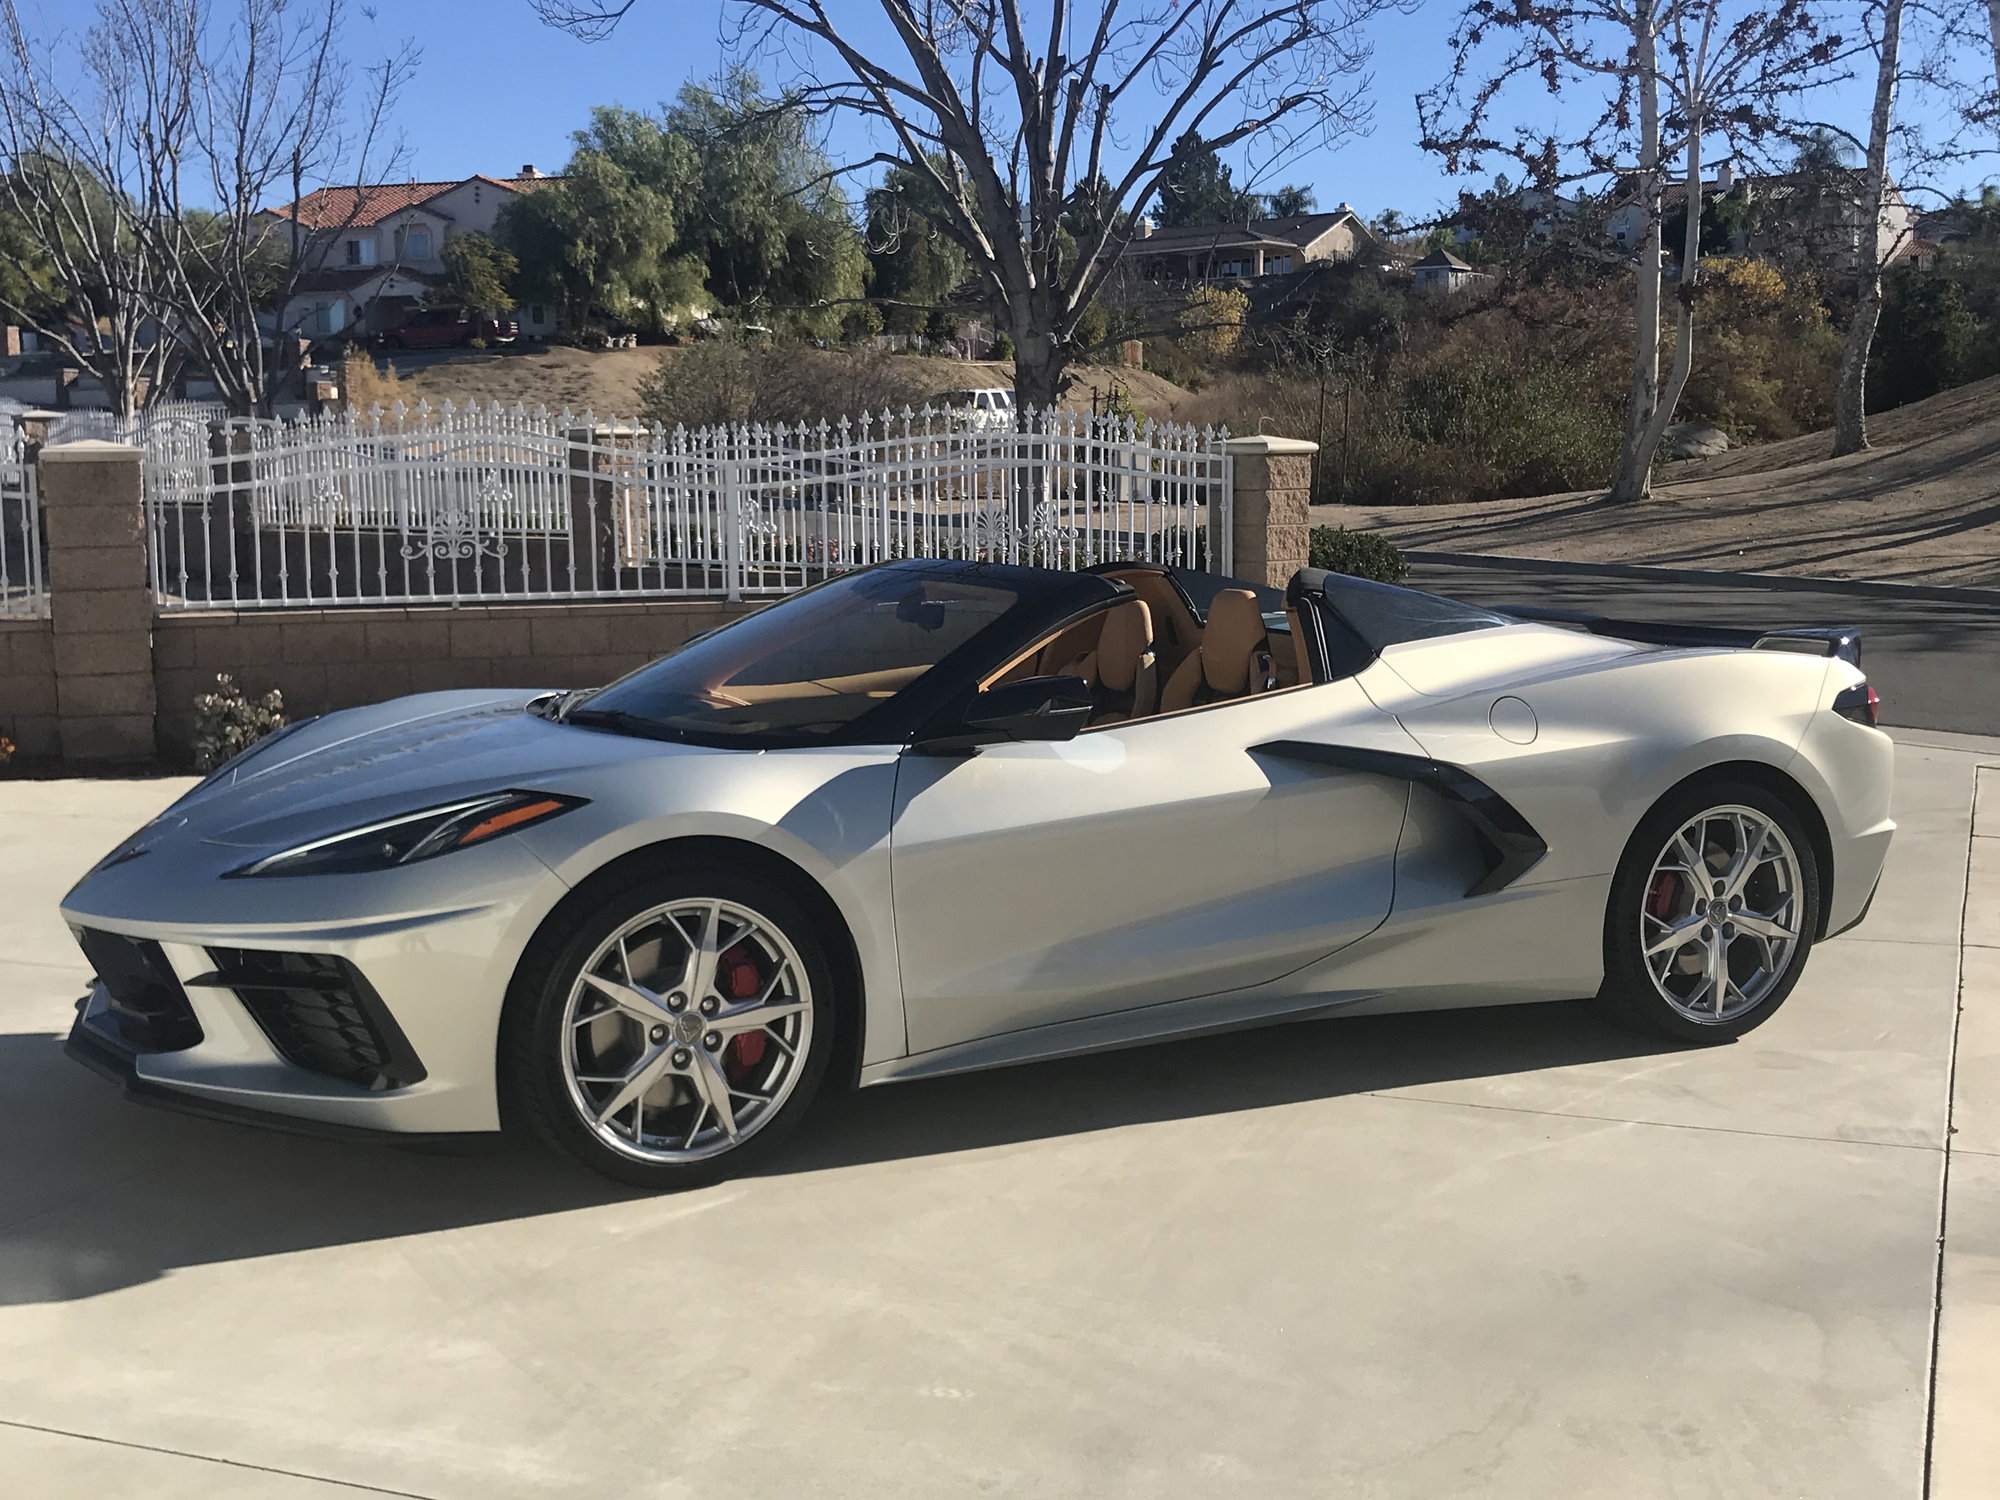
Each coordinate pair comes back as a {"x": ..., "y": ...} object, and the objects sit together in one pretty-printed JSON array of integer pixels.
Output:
[
  {"x": 1277, "y": 265},
  {"x": 1232, "y": 268},
  {"x": 417, "y": 244},
  {"x": 535, "y": 313},
  {"x": 328, "y": 317},
  {"x": 361, "y": 252}
]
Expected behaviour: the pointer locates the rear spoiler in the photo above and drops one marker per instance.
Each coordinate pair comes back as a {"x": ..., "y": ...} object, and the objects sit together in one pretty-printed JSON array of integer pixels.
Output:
[{"x": 1843, "y": 641}]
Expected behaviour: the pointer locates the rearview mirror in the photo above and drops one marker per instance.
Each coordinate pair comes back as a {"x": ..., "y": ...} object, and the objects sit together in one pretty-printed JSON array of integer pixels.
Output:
[{"x": 1035, "y": 708}]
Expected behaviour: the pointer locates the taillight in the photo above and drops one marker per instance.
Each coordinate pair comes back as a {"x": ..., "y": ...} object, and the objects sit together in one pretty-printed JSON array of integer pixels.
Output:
[{"x": 1860, "y": 704}]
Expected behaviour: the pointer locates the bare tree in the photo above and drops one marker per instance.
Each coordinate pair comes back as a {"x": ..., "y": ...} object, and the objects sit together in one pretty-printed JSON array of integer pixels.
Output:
[
  {"x": 179, "y": 125},
  {"x": 271, "y": 101},
  {"x": 1041, "y": 136},
  {"x": 1667, "y": 77},
  {"x": 88, "y": 281},
  {"x": 1850, "y": 404}
]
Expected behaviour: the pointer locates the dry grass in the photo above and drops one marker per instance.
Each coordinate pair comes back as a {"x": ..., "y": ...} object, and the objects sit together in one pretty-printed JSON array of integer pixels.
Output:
[{"x": 608, "y": 381}]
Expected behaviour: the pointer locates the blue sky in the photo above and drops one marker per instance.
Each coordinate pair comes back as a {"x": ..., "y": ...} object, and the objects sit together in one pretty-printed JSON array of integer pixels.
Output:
[{"x": 497, "y": 88}]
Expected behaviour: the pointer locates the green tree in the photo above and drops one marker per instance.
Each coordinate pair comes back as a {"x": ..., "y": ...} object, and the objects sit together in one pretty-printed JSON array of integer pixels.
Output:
[
  {"x": 1196, "y": 188},
  {"x": 1292, "y": 202},
  {"x": 913, "y": 267},
  {"x": 762, "y": 212},
  {"x": 29, "y": 282},
  {"x": 478, "y": 274},
  {"x": 1925, "y": 342},
  {"x": 604, "y": 238}
]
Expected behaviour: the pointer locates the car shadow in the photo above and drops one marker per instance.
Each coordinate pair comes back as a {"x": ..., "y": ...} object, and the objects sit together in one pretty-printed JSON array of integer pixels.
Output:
[{"x": 97, "y": 1193}]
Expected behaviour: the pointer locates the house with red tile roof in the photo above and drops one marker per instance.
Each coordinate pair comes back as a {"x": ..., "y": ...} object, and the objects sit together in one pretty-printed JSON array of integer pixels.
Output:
[{"x": 374, "y": 250}]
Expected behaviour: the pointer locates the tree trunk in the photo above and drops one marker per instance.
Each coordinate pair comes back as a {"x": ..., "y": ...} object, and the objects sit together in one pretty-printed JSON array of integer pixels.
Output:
[
  {"x": 1684, "y": 290},
  {"x": 1993, "y": 26},
  {"x": 1633, "y": 480},
  {"x": 1039, "y": 365},
  {"x": 1850, "y": 402}
]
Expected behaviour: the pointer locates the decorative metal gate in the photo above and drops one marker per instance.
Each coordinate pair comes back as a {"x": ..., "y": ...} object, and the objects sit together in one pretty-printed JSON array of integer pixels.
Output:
[
  {"x": 478, "y": 504},
  {"x": 22, "y": 592}
]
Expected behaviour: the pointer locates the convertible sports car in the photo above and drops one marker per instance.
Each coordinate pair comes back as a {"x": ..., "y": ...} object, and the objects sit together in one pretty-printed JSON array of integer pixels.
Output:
[{"x": 935, "y": 816}]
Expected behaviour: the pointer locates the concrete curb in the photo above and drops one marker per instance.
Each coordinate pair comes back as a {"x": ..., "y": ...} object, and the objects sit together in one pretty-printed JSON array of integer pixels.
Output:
[{"x": 1644, "y": 572}]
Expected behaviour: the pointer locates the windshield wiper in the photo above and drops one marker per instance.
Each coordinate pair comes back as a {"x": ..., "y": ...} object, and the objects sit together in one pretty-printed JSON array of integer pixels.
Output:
[{"x": 618, "y": 721}]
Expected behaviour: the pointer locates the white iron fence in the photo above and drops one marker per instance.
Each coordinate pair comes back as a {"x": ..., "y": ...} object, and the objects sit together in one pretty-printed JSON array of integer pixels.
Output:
[
  {"x": 162, "y": 417},
  {"x": 480, "y": 504},
  {"x": 21, "y": 559}
]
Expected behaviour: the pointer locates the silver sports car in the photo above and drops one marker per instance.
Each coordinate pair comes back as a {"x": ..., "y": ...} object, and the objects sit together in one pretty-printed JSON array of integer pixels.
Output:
[{"x": 935, "y": 816}]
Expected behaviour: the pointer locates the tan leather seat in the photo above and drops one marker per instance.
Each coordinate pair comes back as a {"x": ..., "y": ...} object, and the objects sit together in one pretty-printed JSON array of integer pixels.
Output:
[
  {"x": 1122, "y": 672},
  {"x": 1233, "y": 660}
]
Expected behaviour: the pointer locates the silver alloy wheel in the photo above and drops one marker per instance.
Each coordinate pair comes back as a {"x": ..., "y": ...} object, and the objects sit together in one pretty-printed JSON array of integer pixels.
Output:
[
  {"x": 686, "y": 1031},
  {"x": 1719, "y": 921}
]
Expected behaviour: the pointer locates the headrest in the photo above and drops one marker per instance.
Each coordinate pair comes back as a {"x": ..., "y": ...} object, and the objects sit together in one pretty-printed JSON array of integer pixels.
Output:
[
  {"x": 1127, "y": 637},
  {"x": 1234, "y": 635}
]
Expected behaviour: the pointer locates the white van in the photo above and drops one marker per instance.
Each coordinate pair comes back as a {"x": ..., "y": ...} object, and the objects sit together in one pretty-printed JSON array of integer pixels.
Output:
[{"x": 989, "y": 410}]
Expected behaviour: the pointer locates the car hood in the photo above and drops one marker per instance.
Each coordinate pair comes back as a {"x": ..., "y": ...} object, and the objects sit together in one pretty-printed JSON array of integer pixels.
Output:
[{"x": 363, "y": 765}]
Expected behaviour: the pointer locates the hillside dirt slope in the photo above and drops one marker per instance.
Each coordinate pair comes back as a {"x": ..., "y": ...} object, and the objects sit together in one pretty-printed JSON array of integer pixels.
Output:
[
  {"x": 1921, "y": 506},
  {"x": 607, "y": 382}
]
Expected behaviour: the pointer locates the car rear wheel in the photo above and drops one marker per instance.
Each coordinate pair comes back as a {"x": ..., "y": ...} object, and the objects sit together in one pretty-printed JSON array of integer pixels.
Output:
[
  {"x": 675, "y": 1034},
  {"x": 1712, "y": 913}
]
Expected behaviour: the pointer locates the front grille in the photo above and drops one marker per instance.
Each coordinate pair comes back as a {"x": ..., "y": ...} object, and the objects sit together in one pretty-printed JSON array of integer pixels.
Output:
[
  {"x": 149, "y": 1010},
  {"x": 320, "y": 1014}
]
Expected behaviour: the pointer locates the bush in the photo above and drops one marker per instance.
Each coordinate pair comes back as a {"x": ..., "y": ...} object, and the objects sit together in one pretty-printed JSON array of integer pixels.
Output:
[
  {"x": 1926, "y": 340},
  {"x": 1212, "y": 322},
  {"x": 1516, "y": 398},
  {"x": 6, "y": 751},
  {"x": 227, "y": 723},
  {"x": 363, "y": 385},
  {"x": 1766, "y": 353},
  {"x": 706, "y": 385},
  {"x": 1359, "y": 554},
  {"x": 1003, "y": 347}
]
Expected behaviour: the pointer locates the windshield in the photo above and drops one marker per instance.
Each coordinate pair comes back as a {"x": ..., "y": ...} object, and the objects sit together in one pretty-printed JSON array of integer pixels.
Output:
[{"x": 811, "y": 665}]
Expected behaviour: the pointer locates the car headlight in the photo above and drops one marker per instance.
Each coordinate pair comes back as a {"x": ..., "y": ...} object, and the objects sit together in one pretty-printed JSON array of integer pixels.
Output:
[{"x": 416, "y": 836}]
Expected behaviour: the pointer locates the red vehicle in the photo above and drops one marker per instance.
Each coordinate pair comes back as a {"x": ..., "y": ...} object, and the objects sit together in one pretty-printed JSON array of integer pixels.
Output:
[{"x": 448, "y": 328}]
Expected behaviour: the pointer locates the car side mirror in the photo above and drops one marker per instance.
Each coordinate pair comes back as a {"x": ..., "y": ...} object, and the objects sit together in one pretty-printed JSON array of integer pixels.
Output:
[{"x": 1034, "y": 708}]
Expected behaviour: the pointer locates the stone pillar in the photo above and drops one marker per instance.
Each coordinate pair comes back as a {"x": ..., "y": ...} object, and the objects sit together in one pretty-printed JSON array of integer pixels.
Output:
[
  {"x": 1269, "y": 519},
  {"x": 100, "y": 607}
]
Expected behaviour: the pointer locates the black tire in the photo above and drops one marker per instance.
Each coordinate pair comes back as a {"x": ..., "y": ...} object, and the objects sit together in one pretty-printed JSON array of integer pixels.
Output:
[
  {"x": 536, "y": 1087},
  {"x": 1631, "y": 995}
]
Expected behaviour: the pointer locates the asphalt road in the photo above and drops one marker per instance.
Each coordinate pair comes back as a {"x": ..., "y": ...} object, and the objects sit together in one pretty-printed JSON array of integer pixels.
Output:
[{"x": 1936, "y": 665}]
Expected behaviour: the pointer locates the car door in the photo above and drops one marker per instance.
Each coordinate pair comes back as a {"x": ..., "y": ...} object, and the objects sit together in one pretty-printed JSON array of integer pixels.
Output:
[{"x": 1137, "y": 863}]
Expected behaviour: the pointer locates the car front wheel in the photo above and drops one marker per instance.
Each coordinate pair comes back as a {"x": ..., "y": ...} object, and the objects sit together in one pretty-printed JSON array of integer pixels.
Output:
[
  {"x": 675, "y": 1034},
  {"x": 1712, "y": 913}
]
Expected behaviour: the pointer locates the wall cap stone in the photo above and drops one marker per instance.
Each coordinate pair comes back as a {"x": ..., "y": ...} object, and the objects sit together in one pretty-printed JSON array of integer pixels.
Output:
[
  {"x": 1266, "y": 445},
  {"x": 91, "y": 449}
]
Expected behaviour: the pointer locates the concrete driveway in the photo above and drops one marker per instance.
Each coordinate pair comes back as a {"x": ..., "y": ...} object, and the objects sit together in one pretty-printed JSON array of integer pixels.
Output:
[{"x": 1493, "y": 1254}]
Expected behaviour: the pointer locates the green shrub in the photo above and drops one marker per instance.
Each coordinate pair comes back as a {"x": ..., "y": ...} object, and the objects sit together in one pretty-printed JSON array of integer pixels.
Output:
[
  {"x": 1359, "y": 554},
  {"x": 705, "y": 385},
  {"x": 1003, "y": 347},
  {"x": 226, "y": 722}
]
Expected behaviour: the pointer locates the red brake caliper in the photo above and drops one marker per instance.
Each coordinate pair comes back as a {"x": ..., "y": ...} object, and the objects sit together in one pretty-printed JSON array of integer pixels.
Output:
[
  {"x": 739, "y": 976},
  {"x": 1660, "y": 895}
]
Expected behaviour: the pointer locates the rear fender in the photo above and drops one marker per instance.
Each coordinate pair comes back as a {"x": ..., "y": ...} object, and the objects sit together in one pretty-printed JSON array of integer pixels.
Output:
[{"x": 1584, "y": 754}]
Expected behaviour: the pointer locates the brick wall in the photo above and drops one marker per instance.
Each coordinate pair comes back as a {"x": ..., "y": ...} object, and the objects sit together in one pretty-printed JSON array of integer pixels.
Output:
[
  {"x": 28, "y": 688},
  {"x": 339, "y": 658}
]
